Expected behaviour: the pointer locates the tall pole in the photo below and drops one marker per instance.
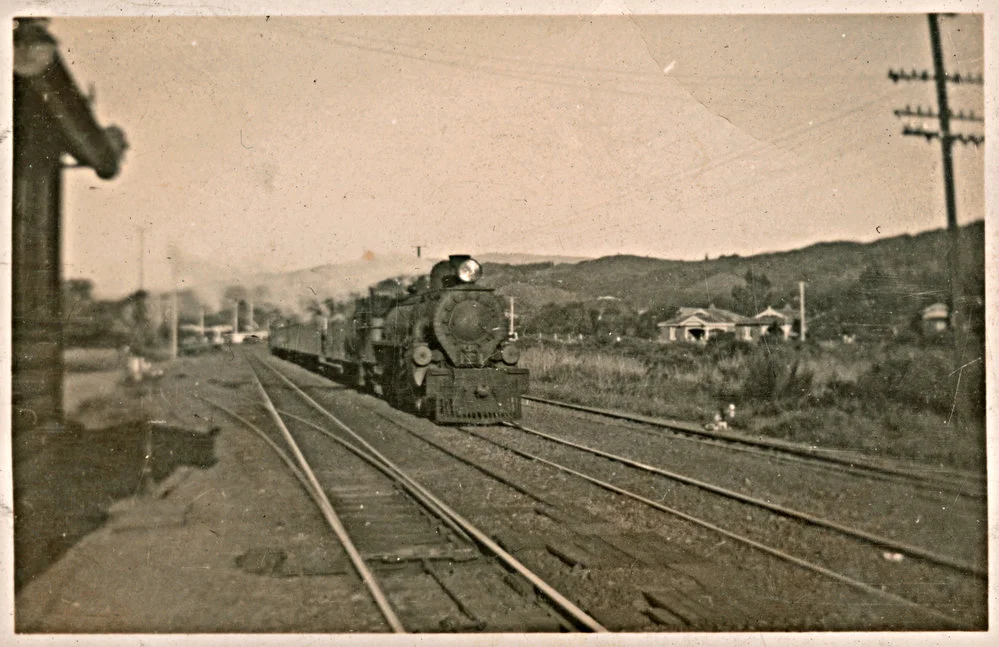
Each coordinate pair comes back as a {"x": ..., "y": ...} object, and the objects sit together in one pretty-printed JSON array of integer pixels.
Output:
[
  {"x": 947, "y": 138},
  {"x": 946, "y": 144},
  {"x": 801, "y": 293},
  {"x": 512, "y": 333}
]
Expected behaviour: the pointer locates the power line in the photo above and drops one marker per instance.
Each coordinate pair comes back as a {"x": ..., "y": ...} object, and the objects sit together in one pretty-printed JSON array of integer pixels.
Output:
[
  {"x": 925, "y": 75},
  {"x": 962, "y": 138},
  {"x": 930, "y": 114}
]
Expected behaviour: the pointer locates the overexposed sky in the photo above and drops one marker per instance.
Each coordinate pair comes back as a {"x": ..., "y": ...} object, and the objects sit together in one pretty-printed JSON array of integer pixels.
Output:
[{"x": 265, "y": 144}]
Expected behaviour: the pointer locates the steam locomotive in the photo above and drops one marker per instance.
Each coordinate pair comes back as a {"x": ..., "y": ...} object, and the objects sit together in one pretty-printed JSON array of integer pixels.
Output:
[{"x": 438, "y": 348}]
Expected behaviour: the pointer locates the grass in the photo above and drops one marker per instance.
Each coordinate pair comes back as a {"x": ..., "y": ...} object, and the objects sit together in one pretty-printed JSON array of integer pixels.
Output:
[{"x": 895, "y": 400}]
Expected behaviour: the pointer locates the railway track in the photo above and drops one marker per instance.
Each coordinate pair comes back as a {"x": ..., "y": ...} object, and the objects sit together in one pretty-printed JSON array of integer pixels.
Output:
[
  {"x": 913, "y": 555},
  {"x": 425, "y": 566},
  {"x": 812, "y": 519},
  {"x": 596, "y": 546},
  {"x": 938, "y": 480}
]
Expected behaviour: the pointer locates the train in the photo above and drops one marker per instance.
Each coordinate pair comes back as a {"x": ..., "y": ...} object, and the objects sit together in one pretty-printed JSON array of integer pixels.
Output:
[{"x": 438, "y": 347}]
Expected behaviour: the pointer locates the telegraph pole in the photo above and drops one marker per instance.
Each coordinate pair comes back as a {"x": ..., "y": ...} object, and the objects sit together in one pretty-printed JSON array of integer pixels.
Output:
[
  {"x": 944, "y": 115},
  {"x": 946, "y": 144}
]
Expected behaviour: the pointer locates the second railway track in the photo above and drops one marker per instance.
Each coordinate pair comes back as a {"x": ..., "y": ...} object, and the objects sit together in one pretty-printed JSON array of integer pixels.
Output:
[
  {"x": 955, "y": 605},
  {"x": 935, "y": 479}
]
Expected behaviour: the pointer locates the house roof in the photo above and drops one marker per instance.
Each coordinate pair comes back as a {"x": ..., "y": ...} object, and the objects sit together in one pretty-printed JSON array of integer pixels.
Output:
[
  {"x": 787, "y": 313},
  {"x": 709, "y": 315},
  {"x": 771, "y": 316}
]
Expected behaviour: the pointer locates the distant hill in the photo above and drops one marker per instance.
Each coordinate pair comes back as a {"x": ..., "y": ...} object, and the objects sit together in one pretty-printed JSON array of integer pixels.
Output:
[
  {"x": 526, "y": 259},
  {"x": 874, "y": 285},
  {"x": 883, "y": 283}
]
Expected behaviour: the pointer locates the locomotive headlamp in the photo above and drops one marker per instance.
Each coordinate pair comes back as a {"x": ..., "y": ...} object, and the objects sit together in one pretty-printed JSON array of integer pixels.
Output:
[
  {"x": 469, "y": 271},
  {"x": 510, "y": 354}
]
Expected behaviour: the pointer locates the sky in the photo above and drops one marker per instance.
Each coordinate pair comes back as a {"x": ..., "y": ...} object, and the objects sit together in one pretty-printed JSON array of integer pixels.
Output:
[{"x": 270, "y": 144}]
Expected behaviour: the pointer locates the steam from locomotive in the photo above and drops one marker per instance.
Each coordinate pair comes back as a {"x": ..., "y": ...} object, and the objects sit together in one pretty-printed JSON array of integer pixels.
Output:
[{"x": 437, "y": 348}]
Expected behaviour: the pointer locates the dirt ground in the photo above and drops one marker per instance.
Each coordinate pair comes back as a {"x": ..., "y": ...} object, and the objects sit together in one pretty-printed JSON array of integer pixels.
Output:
[{"x": 107, "y": 541}]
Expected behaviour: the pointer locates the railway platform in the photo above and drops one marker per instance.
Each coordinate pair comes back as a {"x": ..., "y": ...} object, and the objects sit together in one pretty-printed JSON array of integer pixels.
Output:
[{"x": 234, "y": 547}]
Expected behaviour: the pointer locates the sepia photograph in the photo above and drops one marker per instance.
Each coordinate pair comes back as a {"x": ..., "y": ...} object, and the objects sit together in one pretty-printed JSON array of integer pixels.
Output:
[{"x": 492, "y": 324}]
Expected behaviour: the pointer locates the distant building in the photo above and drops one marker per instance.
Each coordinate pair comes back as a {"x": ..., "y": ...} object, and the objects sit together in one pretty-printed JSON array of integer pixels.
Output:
[
  {"x": 700, "y": 324},
  {"x": 783, "y": 320},
  {"x": 934, "y": 319}
]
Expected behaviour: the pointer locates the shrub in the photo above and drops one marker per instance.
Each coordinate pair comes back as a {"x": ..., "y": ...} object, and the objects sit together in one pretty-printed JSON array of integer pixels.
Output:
[
  {"x": 722, "y": 347},
  {"x": 776, "y": 374},
  {"x": 925, "y": 378}
]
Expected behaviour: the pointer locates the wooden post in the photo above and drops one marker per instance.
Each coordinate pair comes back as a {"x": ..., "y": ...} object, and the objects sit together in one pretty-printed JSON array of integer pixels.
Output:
[{"x": 801, "y": 292}]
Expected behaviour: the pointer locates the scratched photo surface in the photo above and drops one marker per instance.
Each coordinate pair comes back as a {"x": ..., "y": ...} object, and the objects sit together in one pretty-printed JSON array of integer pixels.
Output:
[{"x": 508, "y": 324}]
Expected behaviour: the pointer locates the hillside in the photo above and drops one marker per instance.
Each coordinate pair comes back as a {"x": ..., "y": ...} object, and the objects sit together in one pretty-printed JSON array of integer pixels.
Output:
[
  {"x": 867, "y": 289},
  {"x": 883, "y": 283}
]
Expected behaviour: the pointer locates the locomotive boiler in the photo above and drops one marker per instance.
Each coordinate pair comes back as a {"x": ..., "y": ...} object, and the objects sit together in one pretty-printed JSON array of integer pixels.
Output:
[{"x": 438, "y": 347}]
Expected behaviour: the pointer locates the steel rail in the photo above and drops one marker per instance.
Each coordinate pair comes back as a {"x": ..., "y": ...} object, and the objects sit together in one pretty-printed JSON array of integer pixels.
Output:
[
  {"x": 462, "y": 459},
  {"x": 330, "y": 515},
  {"x": 574, "y": 613},
  {"x": 797, "y": 561},
  {"x": 941, "y": 490},
  {"x": 386, "y": 469},
  {"x": 871, "y": 538},
  {"x": 952, "y": 482}
]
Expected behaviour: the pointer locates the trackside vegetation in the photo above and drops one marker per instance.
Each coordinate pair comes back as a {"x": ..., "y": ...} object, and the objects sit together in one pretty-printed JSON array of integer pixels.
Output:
[{"x": 908, "y": 399}]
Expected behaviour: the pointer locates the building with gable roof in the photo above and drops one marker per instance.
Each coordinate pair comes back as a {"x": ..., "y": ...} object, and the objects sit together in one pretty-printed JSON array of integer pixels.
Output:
[
  {"x": 783, "y": 320},
  {"x": 700, "y": 324}
]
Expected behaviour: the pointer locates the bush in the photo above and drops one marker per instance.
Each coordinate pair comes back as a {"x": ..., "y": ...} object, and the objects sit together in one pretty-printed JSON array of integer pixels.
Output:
[
  {"x": 927, "y": 379},
  {"x": 727, "y": 346},
  {"x": 776, "y": 374}
]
